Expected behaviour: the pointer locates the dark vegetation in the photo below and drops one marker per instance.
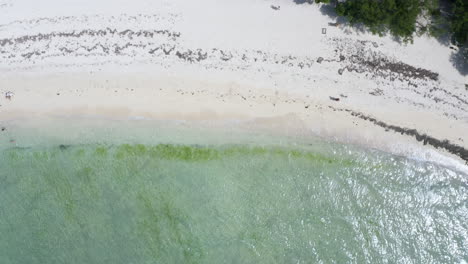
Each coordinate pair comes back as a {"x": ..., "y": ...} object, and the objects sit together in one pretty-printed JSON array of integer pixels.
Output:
[
  {"x": 403, "y": 18},
  {"x": 447, "y": 20},
  {"x": 459, "y": 21}
]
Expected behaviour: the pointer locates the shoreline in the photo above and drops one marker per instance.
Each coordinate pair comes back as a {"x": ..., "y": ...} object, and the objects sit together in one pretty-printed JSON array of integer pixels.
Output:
[
  {"x": 286, "y": 130},
  {"x": 283, "y": 114},
  {"x": 255, "y": 131},
  {"x": 164, "y": 61}
]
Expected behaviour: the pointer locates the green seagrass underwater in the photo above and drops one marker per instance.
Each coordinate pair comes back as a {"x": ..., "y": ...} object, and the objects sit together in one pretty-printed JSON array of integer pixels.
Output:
[{"x": 227, "y": 203}]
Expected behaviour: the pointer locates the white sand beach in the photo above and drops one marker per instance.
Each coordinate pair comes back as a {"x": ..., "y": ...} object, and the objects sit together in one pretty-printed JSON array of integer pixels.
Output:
[{"x": 230, "y": 60}]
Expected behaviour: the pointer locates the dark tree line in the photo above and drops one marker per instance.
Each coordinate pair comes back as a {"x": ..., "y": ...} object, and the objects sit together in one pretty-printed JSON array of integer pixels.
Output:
[
  {"x": 459, "y": 21},
  {"x": 402, "y": 18}
]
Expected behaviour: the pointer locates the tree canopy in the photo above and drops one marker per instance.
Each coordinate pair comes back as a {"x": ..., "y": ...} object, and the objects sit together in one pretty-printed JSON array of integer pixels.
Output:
[
  {"x": 400, "y": 17},
  {"x": 459, "y": 21},
  {"x": 397, "y": 16}
]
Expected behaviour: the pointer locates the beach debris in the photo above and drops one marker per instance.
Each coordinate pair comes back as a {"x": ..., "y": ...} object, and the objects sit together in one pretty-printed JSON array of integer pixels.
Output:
[
  {"x": 362, "y": 59},
  {"x": 275, "y": 7},
  {"x": 342, "y": 58},
  {"x": 9, "y": 95},
  {"x": 340, "y": 71},
  {"x": 3, "y": 128},
  {"x": 324, "y": 30},
  {"x": 226, "y": 56},
  {"x": 334, "y": 98},
  {"x": 343, "y": 96},
  {"x": 152, "y": 51},
  {"x": 377, "y": 92},
  {"x": 169, "y": 50},
  {"x": 319, "y": 60},
  {"x": 375, "y": 44},
  {"x": 421, "y": 137},
  {"x": 192, "y": 56},
  {"x": 333, "y": 24}
]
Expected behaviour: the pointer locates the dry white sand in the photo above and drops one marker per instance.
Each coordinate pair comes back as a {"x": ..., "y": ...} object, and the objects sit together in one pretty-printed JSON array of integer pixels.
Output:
[{"x": 236, "y": 60}]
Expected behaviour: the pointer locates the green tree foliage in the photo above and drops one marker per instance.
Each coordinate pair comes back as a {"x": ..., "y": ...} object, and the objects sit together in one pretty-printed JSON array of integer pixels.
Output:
[
  {"x": 459, "y": 21},
  {"x": 397, "y": 16},
  {"x": 404, "y": 18}
]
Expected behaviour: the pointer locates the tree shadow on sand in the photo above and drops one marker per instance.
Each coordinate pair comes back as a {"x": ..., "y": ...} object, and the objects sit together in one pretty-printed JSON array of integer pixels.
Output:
[
  {"x": 458, "y": 58},
  {"x": 300, "y": 2},
  {"x": 459, "y": 55},
  {"x": 347, "y": 28}
]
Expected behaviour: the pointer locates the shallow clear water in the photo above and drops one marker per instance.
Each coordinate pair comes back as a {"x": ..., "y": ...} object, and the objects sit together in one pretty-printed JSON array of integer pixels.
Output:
[{"x": 177, "y": 202}]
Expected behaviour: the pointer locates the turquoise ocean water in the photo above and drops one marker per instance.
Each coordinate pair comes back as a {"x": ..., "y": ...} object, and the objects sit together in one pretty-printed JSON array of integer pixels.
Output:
[{"x": 145, "y": 193}]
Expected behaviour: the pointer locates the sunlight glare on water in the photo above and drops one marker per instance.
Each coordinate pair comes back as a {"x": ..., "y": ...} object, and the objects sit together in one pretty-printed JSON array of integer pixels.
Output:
[{"x": 227, "y": 203}]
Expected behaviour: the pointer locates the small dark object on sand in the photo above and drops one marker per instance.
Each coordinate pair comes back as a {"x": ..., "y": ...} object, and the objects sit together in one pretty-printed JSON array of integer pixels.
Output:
[
  {"x": 275, "y": 7},
  {"x": 342, "y": 58},
  {"x": 340, "y": 71},
  {"x": 334, "y": 98},
  {"x": 3, "y": 128},
  {"x": 320, "y": 59},
  {"x": 58, "y": 93},
  {"x": 8, "y": 95}
]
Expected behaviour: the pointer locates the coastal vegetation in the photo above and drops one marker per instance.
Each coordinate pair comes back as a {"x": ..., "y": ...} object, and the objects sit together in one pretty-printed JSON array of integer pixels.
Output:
[{"x": 405, "y": 18}]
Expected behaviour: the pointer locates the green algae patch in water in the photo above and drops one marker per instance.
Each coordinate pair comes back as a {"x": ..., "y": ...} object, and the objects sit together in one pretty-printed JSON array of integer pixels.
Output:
[{"x": 180, "y": 203}]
